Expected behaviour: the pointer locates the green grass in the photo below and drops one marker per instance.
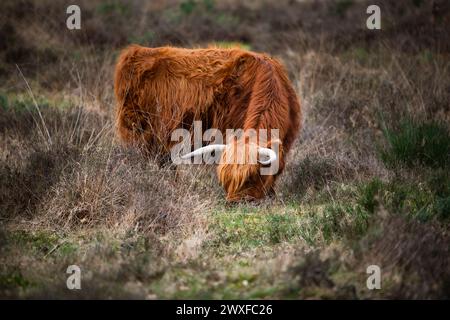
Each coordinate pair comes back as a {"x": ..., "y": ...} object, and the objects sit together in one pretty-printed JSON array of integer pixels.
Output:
[
  {"x": 343, "y": 221},
  {"x": 188, "y": 6},
  {"x": 413, "y": 143},
  {"x": 232, "y": 44},
  {"x": 248, "y": 228},
  {"x": 367, "y": 194},
  {"x": 39, "y": 241},
  {"x": 242, "y": 241},
  {"x": 244, "y": 228},
  {"x": 24, "y": 103},
  {"x": 13, "y": 280},
  {"x": 42, "y": 243},
  {"x": 423, "y": 200}
]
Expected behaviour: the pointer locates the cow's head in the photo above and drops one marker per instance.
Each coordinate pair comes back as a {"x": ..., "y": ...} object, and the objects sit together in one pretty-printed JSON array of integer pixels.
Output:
[{"x": 239, "y": 170}]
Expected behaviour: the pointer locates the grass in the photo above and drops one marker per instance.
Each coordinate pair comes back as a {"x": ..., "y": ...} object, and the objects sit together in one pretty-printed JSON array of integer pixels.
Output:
[
  {"x": 229, "y": 44},
  {"x": 340, "y": 221},
  {"x": 356, "y": 191},
  {"x": 14, "y": 280},
  {"x": 241, "y": 229}
]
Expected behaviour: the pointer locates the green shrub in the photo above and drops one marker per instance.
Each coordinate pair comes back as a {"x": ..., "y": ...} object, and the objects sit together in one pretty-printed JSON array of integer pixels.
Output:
[
  {"x": 422, "y": 200},
  {"x": 442, "y": 208},
  {"x": 417, "y": 144},
  {"x": 187, "y": 6}
]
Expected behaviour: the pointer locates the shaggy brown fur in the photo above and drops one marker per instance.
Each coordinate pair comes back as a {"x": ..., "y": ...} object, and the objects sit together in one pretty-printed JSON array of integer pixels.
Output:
[{"x": 161, "y": 89}]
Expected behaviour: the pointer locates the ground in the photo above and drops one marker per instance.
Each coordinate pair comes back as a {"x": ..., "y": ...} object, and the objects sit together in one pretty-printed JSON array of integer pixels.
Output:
[{"x": 367, "y": 182}]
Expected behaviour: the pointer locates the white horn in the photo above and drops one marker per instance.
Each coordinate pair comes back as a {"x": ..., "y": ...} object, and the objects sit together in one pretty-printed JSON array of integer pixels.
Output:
[
  {"x": 268, "y": 153},
  {"x": 203, "y": 150}
]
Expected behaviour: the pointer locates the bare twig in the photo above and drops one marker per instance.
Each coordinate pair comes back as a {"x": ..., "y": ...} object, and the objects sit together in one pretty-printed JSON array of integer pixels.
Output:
[{"x": 30, "y": 92}]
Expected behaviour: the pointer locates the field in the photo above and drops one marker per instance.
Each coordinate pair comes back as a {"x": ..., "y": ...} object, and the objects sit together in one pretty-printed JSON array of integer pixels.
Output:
[{"x": 367, "y": 182}]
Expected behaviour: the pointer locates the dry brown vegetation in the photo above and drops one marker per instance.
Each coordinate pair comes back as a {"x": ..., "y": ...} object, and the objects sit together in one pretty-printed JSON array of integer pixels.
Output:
[{"x": 367, "y": 183}]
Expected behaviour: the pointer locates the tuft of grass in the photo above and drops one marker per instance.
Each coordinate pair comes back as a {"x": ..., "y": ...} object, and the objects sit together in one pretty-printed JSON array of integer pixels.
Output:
[
  {"x": 343, "y": 221},
  {"x": 368, "y": 195},
  {"x": 422, "y": 200},
  {"x": 244, "y": 229},
  {"x": 415, "y": 143},
  {"x": 13, "y": 280},
  {"x": 41, "y": 243}
]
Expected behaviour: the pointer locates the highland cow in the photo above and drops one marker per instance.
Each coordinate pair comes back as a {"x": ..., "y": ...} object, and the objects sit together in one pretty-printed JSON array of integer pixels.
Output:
[{"x": 159, "y": 90}]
